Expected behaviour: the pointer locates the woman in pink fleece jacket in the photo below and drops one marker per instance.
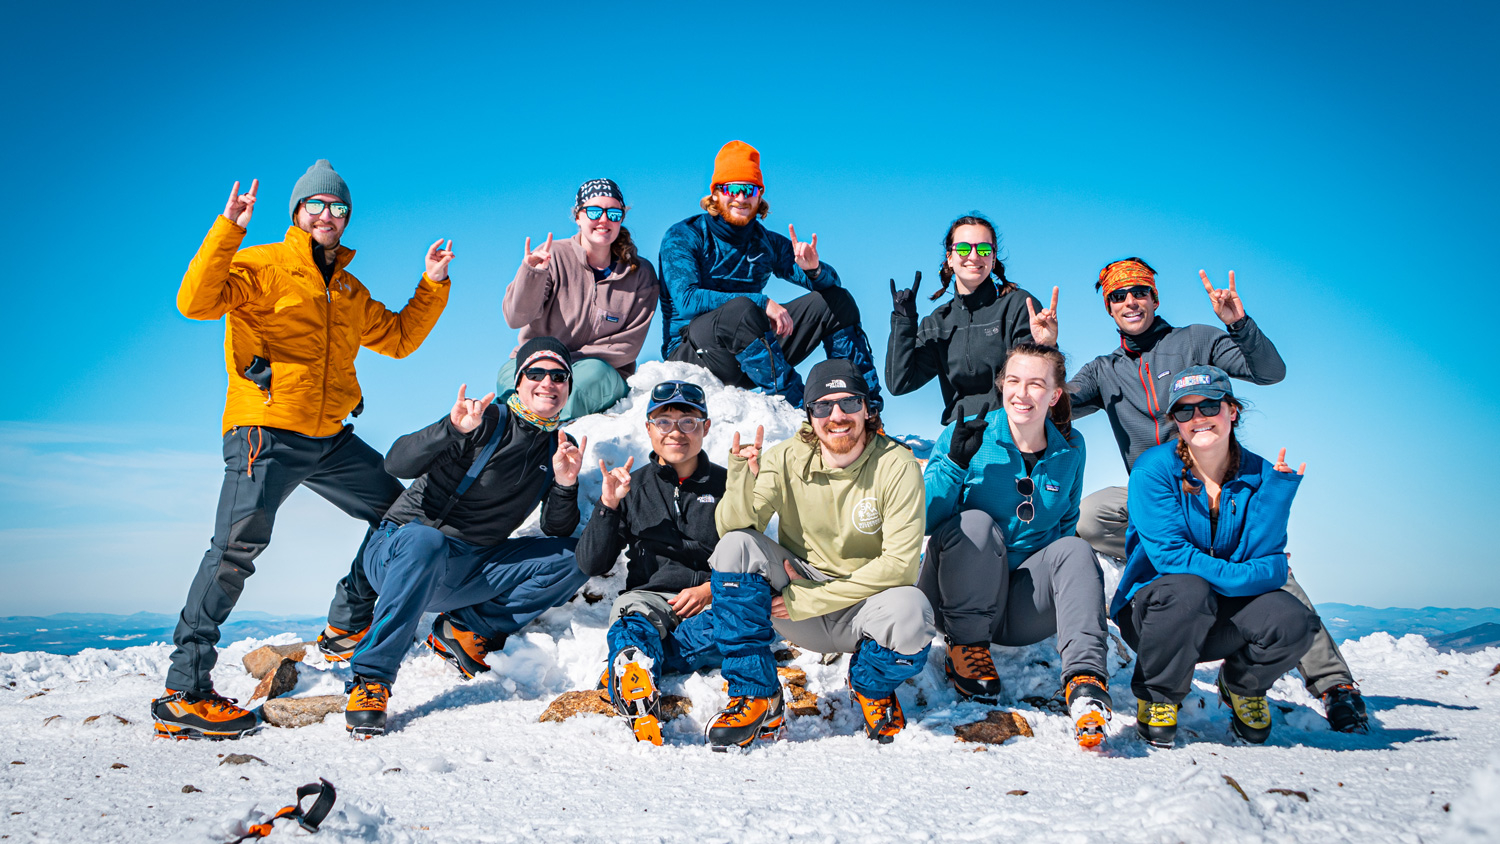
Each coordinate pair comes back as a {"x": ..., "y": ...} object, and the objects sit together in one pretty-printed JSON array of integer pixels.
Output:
[{"x": 593, "y": 292}]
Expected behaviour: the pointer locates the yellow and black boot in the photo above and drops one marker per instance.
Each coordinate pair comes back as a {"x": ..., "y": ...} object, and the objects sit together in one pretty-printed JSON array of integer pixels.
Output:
[
  {"x": 1250, "y": 715},
  {"x": 1156, "y": 722}
]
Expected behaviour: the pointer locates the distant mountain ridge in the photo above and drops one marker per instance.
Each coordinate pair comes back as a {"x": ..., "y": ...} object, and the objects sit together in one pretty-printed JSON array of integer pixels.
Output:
[
  {"x": 68, "y": 633},
  {"x": 1351, "y": 621}
]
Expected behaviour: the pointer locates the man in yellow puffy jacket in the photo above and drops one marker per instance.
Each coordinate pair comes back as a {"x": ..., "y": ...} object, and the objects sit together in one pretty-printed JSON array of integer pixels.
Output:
[{"x": 294, "y": 321}]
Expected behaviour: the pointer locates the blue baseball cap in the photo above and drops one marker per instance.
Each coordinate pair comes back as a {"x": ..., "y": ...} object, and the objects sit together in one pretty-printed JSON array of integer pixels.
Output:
[
  {"x": 1209, "y": 382},
  {"x": 684, "y": 393}
]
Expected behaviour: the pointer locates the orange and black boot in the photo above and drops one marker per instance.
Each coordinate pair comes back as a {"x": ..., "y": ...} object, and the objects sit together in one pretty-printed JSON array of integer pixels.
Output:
[
  {"x": 457, "y": 644},
  {"x": 205, "y": 715},
  {"x": 634, "y": 694},
  {"x": 364, "y": 716},
  {"x": 1089, "y": 707},
  {"x": 883, "y": 715},
  {"x": 972, "y": 670},
  {"x": 338, "y": 645},
  {"x": 745, "y": 719}
]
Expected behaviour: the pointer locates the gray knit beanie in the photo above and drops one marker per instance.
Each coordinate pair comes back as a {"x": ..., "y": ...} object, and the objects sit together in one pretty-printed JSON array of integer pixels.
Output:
[{"x": 319, "y": 178}]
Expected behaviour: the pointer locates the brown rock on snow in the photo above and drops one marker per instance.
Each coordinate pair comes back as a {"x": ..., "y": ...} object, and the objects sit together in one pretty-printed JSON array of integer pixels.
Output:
[
  {"x": 293, "y": 712},
  {"x": 596, "y": 702},
  {"x": 98, "y": 718},
  {"x": 263, "y": 660},
  {"x": 241, "y": 759},
  {"x": 278, "y": 682},
  {"x": 998, "y": 726}
]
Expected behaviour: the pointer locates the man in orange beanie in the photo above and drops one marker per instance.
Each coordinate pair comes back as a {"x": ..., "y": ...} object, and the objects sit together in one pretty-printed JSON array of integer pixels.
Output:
[{"x": 714, "y": 268}]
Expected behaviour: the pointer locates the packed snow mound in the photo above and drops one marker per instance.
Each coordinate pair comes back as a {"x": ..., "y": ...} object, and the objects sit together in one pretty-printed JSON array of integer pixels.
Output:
[{"x": 469, "y": 761}]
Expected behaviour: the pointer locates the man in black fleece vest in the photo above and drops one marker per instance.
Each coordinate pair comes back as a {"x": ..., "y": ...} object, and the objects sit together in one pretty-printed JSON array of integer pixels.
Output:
[
  {"x": 1123, "y": 385},
  {"x": 662, "y": 515},
  {"x": 446, "y": 544}
]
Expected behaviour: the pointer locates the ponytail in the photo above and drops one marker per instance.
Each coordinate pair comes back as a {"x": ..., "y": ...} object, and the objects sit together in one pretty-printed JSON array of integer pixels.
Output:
[{"x": 623, "y": 251}]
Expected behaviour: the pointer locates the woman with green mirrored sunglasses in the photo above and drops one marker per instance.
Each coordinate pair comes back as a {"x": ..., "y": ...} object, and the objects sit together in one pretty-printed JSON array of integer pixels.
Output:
[
  {"x": 593, "y": 292},
  {"x": 964, "y": 341}
]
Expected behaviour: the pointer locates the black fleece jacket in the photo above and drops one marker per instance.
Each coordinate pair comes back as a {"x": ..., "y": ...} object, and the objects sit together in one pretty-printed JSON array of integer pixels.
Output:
[
  {"x": 504, "y": 494},
  {"x": 666, "y": 528},
  {"x": 963, "y": 343}
]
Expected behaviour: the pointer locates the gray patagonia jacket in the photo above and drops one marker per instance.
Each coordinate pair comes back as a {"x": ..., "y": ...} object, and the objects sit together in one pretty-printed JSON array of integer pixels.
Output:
[{"x": 1133, "y": 382}]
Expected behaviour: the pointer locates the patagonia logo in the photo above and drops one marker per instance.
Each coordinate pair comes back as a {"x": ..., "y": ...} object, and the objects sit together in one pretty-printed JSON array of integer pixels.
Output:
[
  {"x": 866, "y": 516},
  {"x": 1051, "y": 487},
  {"x": 837, "y": 383},
  {"x": 608, "y": 317},
  {"x": 705, "y": 499},
  {"x": 1191, "y": 381},
  {"x": 991, "y": 332},
  {"x": 1163, "y": 375}
]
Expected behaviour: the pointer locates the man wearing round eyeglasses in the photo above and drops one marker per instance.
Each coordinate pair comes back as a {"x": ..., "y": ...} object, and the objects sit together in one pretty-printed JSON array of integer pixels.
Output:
[
  {"x": 714, "y": 269},
  {"x": 294, "y": 320},
  {"x": 1124, "y": 384},
  {"x": 841, "y": 575},
  {"x": 447, "y": 544},
  {"x": 662, "y": 516}
]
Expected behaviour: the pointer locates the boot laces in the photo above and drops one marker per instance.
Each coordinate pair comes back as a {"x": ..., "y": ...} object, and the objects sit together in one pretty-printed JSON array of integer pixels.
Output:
[
  {"x": 975, "y": 661},
  {"x": 372, "y": 690},
  {"x": 1159, "y": 713},
  {"x": 1256, "y": 709}
]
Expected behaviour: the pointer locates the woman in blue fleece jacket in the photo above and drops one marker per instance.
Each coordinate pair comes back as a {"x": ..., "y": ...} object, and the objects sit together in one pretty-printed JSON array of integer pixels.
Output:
[
  {"x": 1205, "y": 562},
  {"x": 1003, "y": 565}
]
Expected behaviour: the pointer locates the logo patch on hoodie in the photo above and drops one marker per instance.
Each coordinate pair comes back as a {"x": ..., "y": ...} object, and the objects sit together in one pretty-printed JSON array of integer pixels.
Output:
[
  {"x": 1052, "y": 487},
  {"x": 705, "y": 499},
  {"x": 866, "y": 515}
]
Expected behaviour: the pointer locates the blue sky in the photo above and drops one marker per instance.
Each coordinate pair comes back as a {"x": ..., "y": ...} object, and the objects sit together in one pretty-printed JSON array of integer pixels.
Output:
[{"x": 1340, "y": 160}]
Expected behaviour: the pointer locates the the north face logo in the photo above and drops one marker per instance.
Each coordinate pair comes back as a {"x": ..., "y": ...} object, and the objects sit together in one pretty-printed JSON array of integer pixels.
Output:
[
  {"x": 837, "y": 383},
  {"x": 866, "y": 516}
]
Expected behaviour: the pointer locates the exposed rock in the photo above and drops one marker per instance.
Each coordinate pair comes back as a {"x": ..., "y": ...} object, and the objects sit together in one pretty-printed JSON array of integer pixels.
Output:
[
  {"x": 278, "y": 682},
  {"x": 18, "y": 762},
  {"x": 391, "y": 771},
  {"x": 1301, "y": 795},
  {"x": 791, "y": 675},
  {"x": 1018, "y": 792},
  {"x": 998, "y": 726},
  {"x": 592, "y": 597},
  {"x": 300, "y": 711},
  {"x": 93, "y": 718},
  {"x": 830, "y": 658},
  {"x": 1236, "y": 786},
  {"x": 596, "y": 702},
  {"x": 263, "y": 660},
  {"x": 189, "y": 789},
  {"x": 118, "y": 765},
  {"x": 34, "y": 694},
  {"x": 803, "y": 702},
  {"x": 786, "y": 654},
  {"x": 241, "y": 759}
]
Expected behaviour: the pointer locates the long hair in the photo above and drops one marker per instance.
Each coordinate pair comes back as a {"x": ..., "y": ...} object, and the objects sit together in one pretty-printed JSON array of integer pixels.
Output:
[
  {"x": 622, "y": 252},
  {"x": 1061, "y": 413},
  {"x": 1189, "y": 484},
  {"x": 708, "y": 204},
  {"x": 945, "y": 272}
]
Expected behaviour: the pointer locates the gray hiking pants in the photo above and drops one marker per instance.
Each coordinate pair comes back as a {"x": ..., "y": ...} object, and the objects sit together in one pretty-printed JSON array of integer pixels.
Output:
[
  {"x": 898, "y": 618},
  {"x": 979, "y": 598},
  {"x": 262, "y": 466},
  {"x": 1101, "y": 521}
]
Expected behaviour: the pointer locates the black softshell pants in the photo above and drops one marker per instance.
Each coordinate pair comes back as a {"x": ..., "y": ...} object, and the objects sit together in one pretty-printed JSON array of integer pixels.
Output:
[
  {"x": 1177, "y": 621},
  {"x": 719, "y": 340},
  {"x": 262, "y": 466}
]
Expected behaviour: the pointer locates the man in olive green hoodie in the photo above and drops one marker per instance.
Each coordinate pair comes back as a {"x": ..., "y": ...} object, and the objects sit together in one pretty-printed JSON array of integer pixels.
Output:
[{"x": 842, "y": 577}]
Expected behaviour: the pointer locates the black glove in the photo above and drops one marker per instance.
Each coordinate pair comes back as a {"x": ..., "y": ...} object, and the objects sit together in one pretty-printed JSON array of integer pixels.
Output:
[
  {"x": 967, "y": 438},
  {"x": 905, "y": 301}
]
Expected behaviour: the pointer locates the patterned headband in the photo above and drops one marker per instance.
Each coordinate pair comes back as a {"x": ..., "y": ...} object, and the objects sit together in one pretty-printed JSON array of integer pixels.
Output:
[
  {"x": 598, "y": 187},
  {"x": 1122, "y": 274}
]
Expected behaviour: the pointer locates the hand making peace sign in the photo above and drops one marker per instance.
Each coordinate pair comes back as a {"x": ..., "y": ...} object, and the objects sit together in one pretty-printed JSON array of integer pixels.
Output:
[
  {"x": 568, "y": 460},
  {"x": 468, "y": 413},
  {"x": 539, "y": 259},
  {"x": 1044, "y": 322},
  {"x": 749, "y": 452},
  {"x": 805, "y": 254},
  {"x": 1227, "y": 302},
  {"x": 241, "y": 205}
]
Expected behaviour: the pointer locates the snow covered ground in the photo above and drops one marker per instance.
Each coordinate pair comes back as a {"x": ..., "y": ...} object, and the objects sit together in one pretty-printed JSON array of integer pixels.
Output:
[{"x": 468, "y": 761}]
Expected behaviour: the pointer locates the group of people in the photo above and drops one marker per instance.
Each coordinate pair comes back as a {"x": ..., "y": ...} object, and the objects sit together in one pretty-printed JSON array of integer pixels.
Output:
[{"x": 1012, "y": 545}]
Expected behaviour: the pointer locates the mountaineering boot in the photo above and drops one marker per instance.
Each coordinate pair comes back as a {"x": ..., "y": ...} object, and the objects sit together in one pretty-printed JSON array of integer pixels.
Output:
[
  {"x": 364, "y": 716},
  {"x": 1156, "y": 722},
  {"x": 205, "y": 715},
  {"x": 1088, "y": 705},
  {"x": 764, "y": 363},
  {"x": 634, "y": 694},
  {"x": 1250, "y": 714},
  {"x": 338, "y": 645},
  {"x": 744, "y": 720},
  {"x": 883, "y": 715},
  {"x": 972, "y": 670},
  {"x": 457, "y": 644},
  {"x": 1345, "y": 708}
]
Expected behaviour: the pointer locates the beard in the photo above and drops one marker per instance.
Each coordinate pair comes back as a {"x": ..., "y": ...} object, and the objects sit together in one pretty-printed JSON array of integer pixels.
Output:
[
  {"x": 845, "y": 442},
  {"x": 730, "y": 216}
]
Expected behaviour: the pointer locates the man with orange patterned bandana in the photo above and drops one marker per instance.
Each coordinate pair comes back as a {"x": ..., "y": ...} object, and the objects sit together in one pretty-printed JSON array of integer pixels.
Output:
[{"x": 1130, "y": 385}]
